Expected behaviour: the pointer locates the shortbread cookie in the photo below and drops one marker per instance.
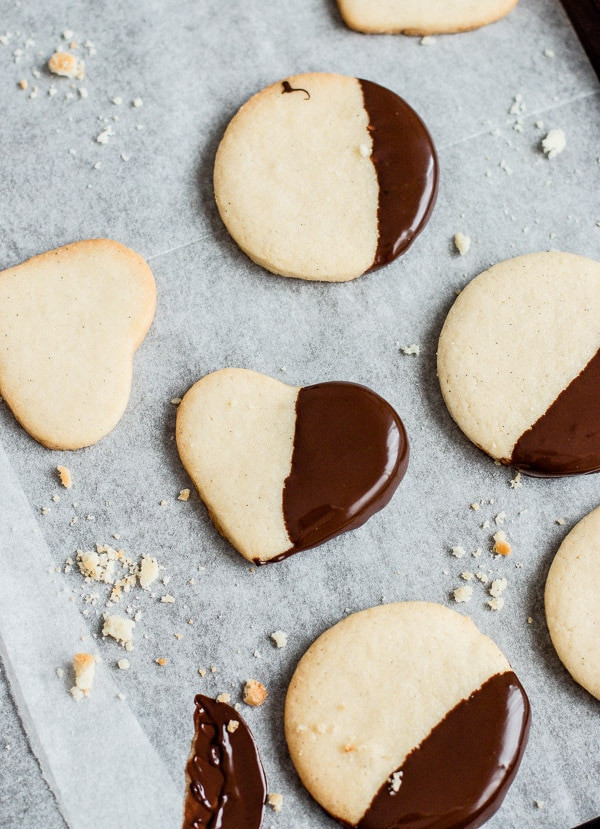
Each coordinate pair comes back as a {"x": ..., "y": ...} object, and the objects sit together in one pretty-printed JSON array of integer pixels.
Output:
[
  {"x": 70, "y": 322},
  {"x": 519, "y": 363},
  {"x": 282, "y": 468},
  {"x": 572, "y": 606},
  {"x": 422, "y": 17},
  {"x": 402, "y": 711},
  {"x": 325, "y": 177},
  {"x": 226, "y": 784}
]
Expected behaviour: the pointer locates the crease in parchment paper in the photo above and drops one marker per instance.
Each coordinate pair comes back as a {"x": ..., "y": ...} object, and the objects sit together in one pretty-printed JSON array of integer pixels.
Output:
[{"x": 94, "y": 754}]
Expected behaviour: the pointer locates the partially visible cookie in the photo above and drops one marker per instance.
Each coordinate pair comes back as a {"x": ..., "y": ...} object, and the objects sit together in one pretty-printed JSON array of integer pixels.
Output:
[
  {"x": 226, "y": 784},
  {"x": 325, "y": 177},
  {"x": 282, "y": 468},
  {"x": 70, "y": 322},
  {"x": 519, "y": 363},
  {"x": 406, "y": 710},
  {"x": 572, "y": 605},
  {"x": 422, "y": 17}
]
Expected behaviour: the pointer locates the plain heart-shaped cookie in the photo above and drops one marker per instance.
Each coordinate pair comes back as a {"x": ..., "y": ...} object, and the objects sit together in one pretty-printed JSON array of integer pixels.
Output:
[
  {"x": 285, "y": 468},
  {"x": 70, "y": 322}
]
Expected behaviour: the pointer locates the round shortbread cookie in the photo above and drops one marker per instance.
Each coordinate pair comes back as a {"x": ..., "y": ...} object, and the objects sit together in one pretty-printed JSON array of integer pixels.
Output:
[
  {"x": 325, "y": 177},
  {"x": 283, "y": 468},
  {"x": 406, "y": 715},
  {"x": 519, "y": 363},
  {"x": 572, "y": 607},
  {"x": 70, "y": 323},
  {"x": 422, "y": 17}
]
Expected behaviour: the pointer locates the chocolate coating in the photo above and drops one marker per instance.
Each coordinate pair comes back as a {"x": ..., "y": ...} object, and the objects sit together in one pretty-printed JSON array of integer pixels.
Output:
[
  {"x": 566, "y": 439},
  {"x": 350, "y": 453},
  {"x": 407, "y": 170},
  {"x": 226, "y": 782},
  {"x": 458, "y": 776}
]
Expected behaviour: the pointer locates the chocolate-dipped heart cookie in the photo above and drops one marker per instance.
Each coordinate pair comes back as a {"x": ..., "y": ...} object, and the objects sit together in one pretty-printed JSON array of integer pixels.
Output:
[
  {"x": 405, "y": 715},
  {"x": 519, "y": 363},
  {"x": 325, "y": 177},
  {"x": 282, "y": 468}
]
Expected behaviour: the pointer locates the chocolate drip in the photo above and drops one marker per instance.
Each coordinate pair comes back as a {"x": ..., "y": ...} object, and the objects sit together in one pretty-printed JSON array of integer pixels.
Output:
[
  {"x": 287, "y": 87},
  {"x": 407, "y": 170},
  {"x": 458, "y": 776},
  {"x": 350, "y": 453},
  {"x": 566, "y": 439},
  {"x": 226, "y": 781}
]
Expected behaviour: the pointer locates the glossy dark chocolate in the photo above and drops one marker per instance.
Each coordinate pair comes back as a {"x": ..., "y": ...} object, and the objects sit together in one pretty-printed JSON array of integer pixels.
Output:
[
  {"x": 226, "y": 782},
  {"x": 287, "y": 87},
  {"x": 566, "y": 439},
  {"x": 458, "y": 776},
  {"x": 407, "y": 170},
  {"x": 350, "y": 453}
]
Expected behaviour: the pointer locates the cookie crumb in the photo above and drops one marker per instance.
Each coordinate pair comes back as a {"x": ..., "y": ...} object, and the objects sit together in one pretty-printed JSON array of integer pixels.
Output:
[
  {"x": 477, "y": 553},
  {"x": 530, "y": 620},
  {"x": 516, "y": 483},
  {"x": 84, "y": 666},
  {"x": 427, "y": 40},
  {"x": 202, "y": 672},
  {"x": 148, "y": 571},
  {"x": 395, "y": 781},
  {"x": 463, "y": 593},
  {"x": 500, "y": 519},
  {"x": 137, "y": 102},
  {"x": 168, "y": 599},
  {"x": 22, "y": 84},
  {"x": 496, "y": 603},
  {"x": 123, "y": 664},
  {"x": 255, "y": 693},
  {"x": 60, "y": 673},
  {"x": 411, "y": 350},
  {"x": 539, "y": 804},
  {"x": 501, "y": 545},
  {"x": 64, "y": 475},
  {"x": 67, "y": 65},
  {"x": 280, "y": 638},
  {"x": 176, "y": 401},
  {"x": 462, "y": 243},
  {"x": 161, "y": 661},
  {"x": 475, "y": 506},
  {"x": 104, "y": 135},
  {"x": 224, "y": 698},
  {"x": 498, "y": 587},
  {"x": 119, "y": 628},
  {"x": 554, "y": 143},
  {"x": 458, "y": 552},
  {"x": 467, "y": 576},
  {"x": 275, "y": 801},
  {"x": 560, "y": 521},
  {"x": 184, "y": 495},
  {"x": 232, "y": 726}
]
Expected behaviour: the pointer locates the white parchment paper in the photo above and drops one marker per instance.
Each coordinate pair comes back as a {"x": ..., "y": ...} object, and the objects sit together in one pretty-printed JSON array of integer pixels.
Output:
[{"x": 192, "y": 63}]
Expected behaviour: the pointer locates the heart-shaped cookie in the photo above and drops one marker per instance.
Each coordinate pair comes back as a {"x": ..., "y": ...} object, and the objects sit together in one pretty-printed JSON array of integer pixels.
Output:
[
  {"x": 70, "y": 322},
  {"x": 285, "y": 468}
]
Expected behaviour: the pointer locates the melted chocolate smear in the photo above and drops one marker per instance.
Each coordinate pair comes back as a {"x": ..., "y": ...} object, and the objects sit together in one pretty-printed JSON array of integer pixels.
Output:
[
  {"x": 350, "y": 453},
  {"x": 407, "y": 170},
  {"x": 287, "y": 87},
  {"x": 566, "y": 439},
  {"x": 226, "y": 782},
  {"x": 458, "y": 776}
]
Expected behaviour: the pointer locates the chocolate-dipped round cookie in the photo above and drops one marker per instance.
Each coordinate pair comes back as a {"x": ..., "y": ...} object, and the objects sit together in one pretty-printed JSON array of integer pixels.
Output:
[
  {"x": 572, "y": 607},
  {"x": 406, "y": 715},
  {"x": 325, "y": 177},
  {"x": 519, "y": 363},
  {"x": 285, "y": 468}
]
